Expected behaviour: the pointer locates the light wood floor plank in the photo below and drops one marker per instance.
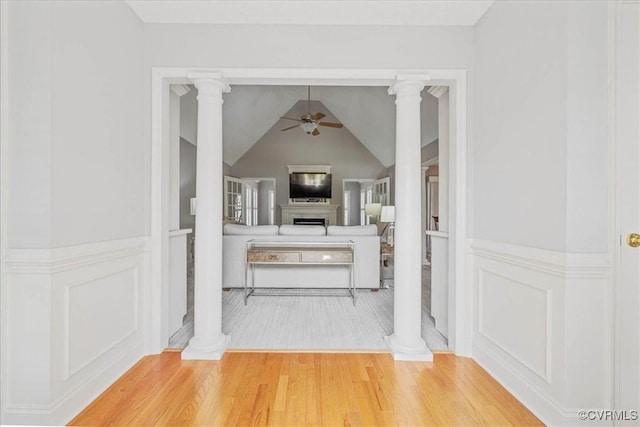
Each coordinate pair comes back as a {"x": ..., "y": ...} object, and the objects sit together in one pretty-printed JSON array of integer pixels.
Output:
[{"x": 278, "y": 389}]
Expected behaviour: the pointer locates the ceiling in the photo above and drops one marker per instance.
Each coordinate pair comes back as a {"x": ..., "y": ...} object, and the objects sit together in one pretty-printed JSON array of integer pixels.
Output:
[
  {"x": 312, "y": 12},
  {"x": 367, "y": 112}
]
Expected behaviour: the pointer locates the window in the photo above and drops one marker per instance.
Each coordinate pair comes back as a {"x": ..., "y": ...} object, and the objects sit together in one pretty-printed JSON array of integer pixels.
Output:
[{"x": 234, "y": 199}]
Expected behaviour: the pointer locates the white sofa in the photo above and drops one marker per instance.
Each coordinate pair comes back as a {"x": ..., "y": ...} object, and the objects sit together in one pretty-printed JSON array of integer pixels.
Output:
[{"x": 366, "y": 256}]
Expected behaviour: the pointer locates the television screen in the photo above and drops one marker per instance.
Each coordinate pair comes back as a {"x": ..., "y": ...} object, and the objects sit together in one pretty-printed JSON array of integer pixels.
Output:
[{"x": 309, "y": 185}]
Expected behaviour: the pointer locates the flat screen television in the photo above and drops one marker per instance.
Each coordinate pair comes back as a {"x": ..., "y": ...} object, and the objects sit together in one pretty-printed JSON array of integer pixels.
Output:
[{"x": 306, "y": 185}]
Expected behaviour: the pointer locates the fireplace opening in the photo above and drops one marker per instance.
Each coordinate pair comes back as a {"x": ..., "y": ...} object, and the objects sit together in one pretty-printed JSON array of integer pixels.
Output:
[{"x": 309, "y": 221}]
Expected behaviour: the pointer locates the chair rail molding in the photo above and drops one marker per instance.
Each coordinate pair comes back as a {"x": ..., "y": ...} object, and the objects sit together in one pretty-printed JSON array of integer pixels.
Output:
[
  {"x": 561, "y": 264},
  {"x": 540, "y": 320},
  {"x": 92, "y": 296}
]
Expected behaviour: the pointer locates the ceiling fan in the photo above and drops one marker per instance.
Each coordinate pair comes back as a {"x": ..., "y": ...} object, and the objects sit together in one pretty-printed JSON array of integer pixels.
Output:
[{"x": 310, "y": 122}]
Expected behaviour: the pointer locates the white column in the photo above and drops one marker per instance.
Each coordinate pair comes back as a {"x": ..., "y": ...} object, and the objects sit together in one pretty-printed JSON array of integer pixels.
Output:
[
  {"x": 208, "y": 341},
  {"x": 406, "y": 342}
]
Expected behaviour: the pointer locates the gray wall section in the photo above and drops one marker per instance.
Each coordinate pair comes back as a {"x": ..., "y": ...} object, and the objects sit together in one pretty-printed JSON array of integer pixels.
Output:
[
  {"x": 187, "y": 183},
  {"x": 354, "y": 213},
  {"x": 272, "y": 153},
  {"x": 429, "y": 151},
  {"x": 189, "y": 116},
  {"x": 263, "y": 201}
]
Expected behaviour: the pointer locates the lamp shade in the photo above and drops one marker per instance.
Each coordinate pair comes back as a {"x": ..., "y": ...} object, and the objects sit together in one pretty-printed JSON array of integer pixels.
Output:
[
  {"x": 388, "y": 214},
  {"x": 373, "y": 209}
]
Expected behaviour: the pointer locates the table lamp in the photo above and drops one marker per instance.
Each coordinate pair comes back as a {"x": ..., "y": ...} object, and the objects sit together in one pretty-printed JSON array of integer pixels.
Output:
[{"x": 388, "y": 215}]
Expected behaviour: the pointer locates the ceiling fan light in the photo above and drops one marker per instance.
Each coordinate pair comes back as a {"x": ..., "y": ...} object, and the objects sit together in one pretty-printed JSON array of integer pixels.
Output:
[{"x": 308, "y": 127}]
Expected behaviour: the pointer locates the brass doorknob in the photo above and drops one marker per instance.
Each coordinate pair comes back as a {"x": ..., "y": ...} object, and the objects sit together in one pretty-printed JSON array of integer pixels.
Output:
[{"x": 633, "y": 240}]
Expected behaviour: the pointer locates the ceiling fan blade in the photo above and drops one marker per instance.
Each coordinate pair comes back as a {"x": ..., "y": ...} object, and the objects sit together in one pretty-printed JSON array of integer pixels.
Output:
[
  {"x": 289, "y": 128},
  {"x": 315, "y": 132},
  {"x": 331, "y": 124},
  {"x": 318, "y": 116},
  {"x": 291, "y": 118}
]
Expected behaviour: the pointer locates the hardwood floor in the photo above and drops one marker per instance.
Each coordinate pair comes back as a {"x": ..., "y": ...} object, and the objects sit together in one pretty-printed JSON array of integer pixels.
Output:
[{"x": 284, "y": 389}]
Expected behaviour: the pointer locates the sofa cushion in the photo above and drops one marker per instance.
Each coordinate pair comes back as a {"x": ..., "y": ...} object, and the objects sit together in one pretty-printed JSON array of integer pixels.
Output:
[
  {"x": 302, "y": 230},
  {"x": 352, "y": 230},
  {"x": 256, "y": 230}
]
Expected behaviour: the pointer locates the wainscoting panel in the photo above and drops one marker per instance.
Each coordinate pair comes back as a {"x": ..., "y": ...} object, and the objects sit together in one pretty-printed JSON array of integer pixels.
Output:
[
  {"x": 542, "y": 324},
  {"x": 76, "y": 323},
  {"x": 100, "y": 314},
  {"x": 526, "y": 305}
]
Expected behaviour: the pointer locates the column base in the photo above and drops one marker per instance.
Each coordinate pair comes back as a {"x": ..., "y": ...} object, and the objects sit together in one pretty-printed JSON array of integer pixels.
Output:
[
  {"x": 214, "y": 352},
  {"x": 419, "y": 354}
]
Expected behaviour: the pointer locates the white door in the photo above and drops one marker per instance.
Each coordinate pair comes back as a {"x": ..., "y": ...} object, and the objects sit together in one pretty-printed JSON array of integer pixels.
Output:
[
  {"x": 234, "y": 199},
  {"x": 627, "y": 309},
  {"x": 381, "y": 191}
]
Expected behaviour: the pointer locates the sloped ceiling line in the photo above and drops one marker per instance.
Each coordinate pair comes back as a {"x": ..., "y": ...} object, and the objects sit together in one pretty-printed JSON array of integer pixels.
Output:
[{"x": 367, "y": 112}]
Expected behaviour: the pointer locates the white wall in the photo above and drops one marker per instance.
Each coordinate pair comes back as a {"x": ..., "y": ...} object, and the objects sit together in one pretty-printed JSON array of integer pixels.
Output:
[
  {"x": 76, "y": 263},
  {"x": 539, "y": 173},
  {"x": 541, "y": 101},
  {"x": 587, "y": 121},
  {"x": 100, "y": 162},
  {"x": 30, "y": 94},
  {"x": 278, "y": 46},
  {"x": 521, "y": 126},
  {"x": 76, "y": 131}
]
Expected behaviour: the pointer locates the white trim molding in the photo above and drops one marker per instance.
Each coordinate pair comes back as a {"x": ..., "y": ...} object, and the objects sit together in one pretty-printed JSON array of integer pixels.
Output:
[
  {"x": 460, "y": 321},
  {"x": 180, "y": 89},
  {"x": 309, "y": 168},
  {"x": 541, "y": 325},
  {"x": 92, "y": 296},
  {"x": 560, "y": 264},
  {"x": 56, "y": 260},
  {"x": 437, "y": 91}
]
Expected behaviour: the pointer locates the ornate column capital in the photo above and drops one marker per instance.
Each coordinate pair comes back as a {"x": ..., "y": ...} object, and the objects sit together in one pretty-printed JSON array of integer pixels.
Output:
[
  {"x": 408, "y": 84},
  {"x": 209, "y": 83}
]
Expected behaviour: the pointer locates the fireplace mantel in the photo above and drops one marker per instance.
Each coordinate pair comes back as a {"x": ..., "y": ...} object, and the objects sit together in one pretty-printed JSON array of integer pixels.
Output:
[{"x": 311, "y": 210}]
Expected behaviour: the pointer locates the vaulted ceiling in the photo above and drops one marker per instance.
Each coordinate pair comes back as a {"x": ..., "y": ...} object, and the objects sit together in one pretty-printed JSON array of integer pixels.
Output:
[{"x": 368, "y": 112}]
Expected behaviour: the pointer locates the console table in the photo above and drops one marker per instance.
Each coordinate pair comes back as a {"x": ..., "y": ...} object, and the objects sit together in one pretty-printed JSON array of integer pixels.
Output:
[{"x": 262, "y": 252}]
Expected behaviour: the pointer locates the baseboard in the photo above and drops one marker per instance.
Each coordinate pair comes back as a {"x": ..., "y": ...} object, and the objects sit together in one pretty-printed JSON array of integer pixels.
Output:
[
  {"x": 541, "y": 322},
  {"x": 542, "y": 406},
  {"x": 69, "y": 406},
  {"x": 90, "y": 300}
]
